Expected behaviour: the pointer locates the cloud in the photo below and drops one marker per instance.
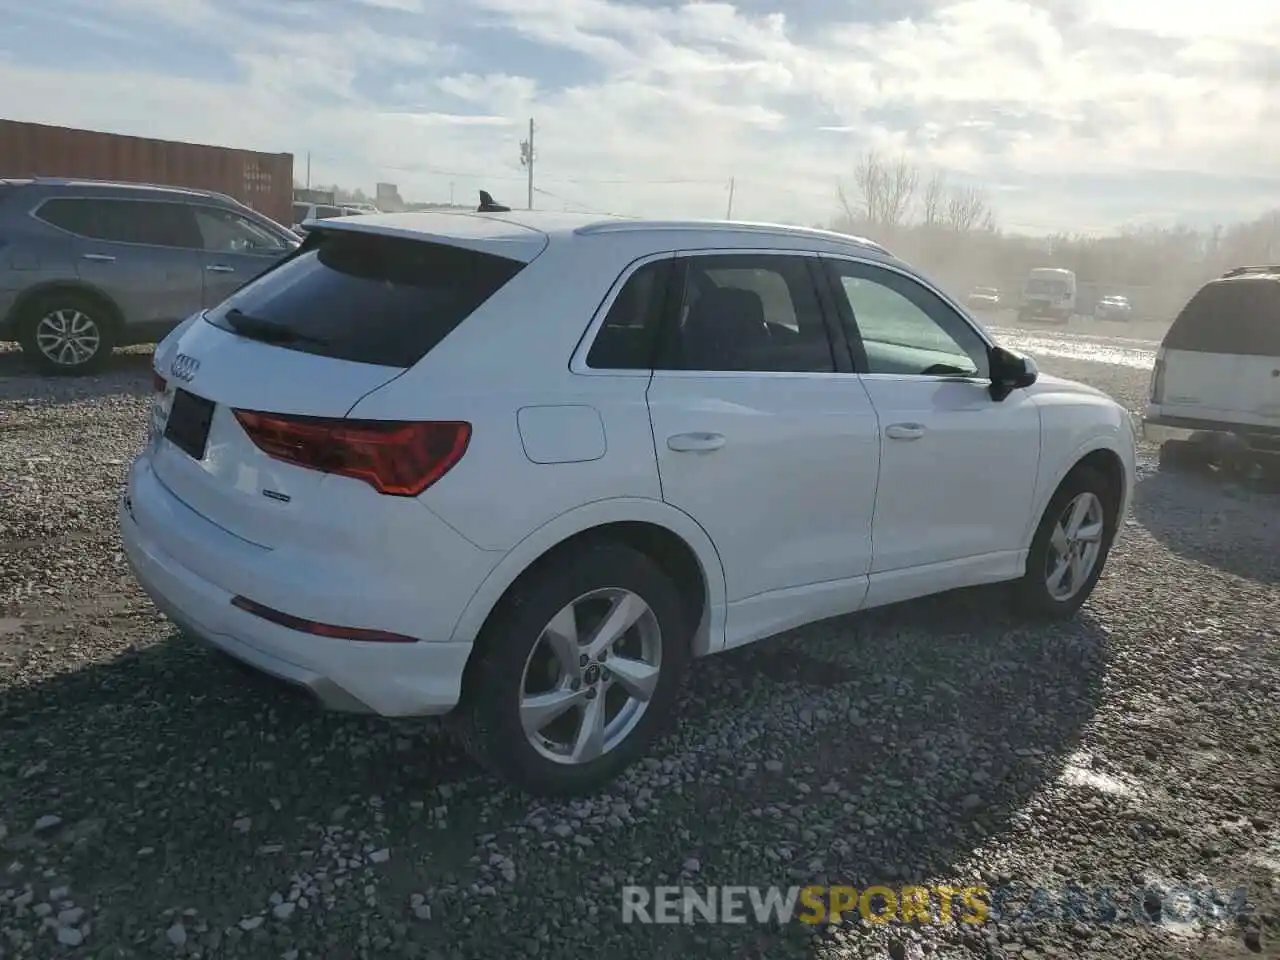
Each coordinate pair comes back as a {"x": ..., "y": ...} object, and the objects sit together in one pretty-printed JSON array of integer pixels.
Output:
[
  {"x": 1076, "y": 114},
  {"x": 450, "y": 119}
]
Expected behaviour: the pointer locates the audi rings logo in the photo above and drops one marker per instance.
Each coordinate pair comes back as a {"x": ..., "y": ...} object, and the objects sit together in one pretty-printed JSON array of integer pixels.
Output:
[{"x": 184, "y": 367}]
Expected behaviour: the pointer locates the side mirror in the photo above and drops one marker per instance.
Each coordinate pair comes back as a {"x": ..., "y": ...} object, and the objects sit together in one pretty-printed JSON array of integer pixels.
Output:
[{"x": 1010, "y": 371}]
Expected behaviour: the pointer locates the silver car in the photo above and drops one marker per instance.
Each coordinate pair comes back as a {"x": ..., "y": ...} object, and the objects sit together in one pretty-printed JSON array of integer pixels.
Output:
[
  {"x": 1114, "y": 308},
  {"x": 86, "y": 266}
]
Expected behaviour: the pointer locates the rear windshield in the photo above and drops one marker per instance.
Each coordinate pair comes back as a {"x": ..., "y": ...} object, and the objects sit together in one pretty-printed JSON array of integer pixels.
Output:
[
  {"x": 370, "y": 298},
  {"x": 1239, "y": 317}
]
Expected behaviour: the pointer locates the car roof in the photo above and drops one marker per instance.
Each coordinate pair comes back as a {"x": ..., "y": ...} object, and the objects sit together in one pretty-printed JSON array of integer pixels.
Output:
[
  {"x": 523, "y": 234},
  {"x": 114, "y": 186}
]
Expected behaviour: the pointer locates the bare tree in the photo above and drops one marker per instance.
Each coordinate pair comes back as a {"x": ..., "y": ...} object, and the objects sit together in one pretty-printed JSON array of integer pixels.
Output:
[
  {"x": 850, "y": 215},
  {"x": 967, "y": 209},
  {"x": 886, "y": 189},
  {"x": 933, "y": 202}
]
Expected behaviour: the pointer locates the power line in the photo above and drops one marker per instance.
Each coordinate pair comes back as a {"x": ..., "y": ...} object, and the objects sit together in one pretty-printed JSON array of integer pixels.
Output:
[{"x": 582, "y": 207}]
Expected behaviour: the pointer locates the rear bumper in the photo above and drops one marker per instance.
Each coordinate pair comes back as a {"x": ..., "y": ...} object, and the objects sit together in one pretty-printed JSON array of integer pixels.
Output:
[{"x": 390, "y": 679}]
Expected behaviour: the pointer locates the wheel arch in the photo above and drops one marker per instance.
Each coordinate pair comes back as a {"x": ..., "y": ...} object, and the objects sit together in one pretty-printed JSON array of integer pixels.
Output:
[
  {"x": 1101, "y": 453},
  {"x": 670, "y": 537},
  {"x": 17, "y": 313}
]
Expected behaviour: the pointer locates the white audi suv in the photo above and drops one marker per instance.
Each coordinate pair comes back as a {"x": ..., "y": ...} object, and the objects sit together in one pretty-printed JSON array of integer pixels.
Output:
[{"x": 522, "y": 468}]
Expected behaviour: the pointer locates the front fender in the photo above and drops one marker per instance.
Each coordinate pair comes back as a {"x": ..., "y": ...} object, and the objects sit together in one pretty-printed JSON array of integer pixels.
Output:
[
  {"x": 710, "y": 633},
  {"x": 1071, "y": 430}
]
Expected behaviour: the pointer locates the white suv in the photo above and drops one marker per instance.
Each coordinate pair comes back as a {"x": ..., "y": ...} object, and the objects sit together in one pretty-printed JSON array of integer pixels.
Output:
[
  {"x": 1215, "y": 387},
  {"x": 522, "y": 467}
]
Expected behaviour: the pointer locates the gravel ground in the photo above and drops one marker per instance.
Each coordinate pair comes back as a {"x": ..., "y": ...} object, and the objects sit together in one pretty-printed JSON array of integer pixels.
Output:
[{"x": 156, "y": 801}]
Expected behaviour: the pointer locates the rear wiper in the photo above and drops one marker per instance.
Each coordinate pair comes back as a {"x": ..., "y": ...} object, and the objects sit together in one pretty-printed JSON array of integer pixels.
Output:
[{"x": 268, "y": 331}]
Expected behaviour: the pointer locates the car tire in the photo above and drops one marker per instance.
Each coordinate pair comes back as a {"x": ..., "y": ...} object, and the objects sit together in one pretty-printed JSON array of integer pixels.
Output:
[
  {"x": 514, "y": 646},
  {"x": 1035, "y": 594},
  {"x": 85, "y": 322},
  {"x": 1184, "y": 456}
]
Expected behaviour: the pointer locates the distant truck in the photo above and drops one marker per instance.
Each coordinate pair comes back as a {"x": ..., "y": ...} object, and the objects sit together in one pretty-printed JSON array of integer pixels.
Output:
[{"x": 1049, "y": 293}]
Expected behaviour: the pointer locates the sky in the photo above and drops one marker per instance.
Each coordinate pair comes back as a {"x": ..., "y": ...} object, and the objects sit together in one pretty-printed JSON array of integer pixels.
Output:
[{"x": 1075, "y": 115}]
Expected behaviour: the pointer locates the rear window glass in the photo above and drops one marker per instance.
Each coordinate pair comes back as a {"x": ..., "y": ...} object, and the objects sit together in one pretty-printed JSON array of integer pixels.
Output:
[
  {"x": 1239, "y": 317},
  {"x": 370, "y": 299}
]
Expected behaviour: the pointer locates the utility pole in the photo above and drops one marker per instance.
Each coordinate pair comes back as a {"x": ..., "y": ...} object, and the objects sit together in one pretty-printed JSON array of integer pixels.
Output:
[
  {"x": 732, "y": 185},
  {"x": 308, "y": 169},
  {"x": 526, "y": 159}
]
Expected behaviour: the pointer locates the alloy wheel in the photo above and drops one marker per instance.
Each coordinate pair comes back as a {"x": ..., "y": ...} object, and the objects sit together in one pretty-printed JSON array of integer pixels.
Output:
[
  {"x": 1074, "y": 546},
  {"x": 590, "y": 676},
  {"x": 68, "y": 337}
]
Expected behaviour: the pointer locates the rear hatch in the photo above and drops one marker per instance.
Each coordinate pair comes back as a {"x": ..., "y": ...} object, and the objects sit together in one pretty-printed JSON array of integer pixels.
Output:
[
  {"x": 1220, "y": 358},
  {"x": 351, "y": 310}
]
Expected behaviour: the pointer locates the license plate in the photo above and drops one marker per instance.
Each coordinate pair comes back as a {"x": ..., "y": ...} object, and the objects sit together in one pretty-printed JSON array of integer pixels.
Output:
[{"x": 187, "y": 426}]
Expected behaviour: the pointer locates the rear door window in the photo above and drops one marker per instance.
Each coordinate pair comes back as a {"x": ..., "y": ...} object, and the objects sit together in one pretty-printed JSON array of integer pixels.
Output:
[
  {"x": 1240, "y": 317},
  {"x": 750, "y": 312},
  {"x": 369, "y": 298}
]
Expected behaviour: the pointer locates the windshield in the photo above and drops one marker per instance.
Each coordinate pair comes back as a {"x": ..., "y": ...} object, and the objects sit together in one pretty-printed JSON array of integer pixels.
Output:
[{"x": 1040, "y": 285}]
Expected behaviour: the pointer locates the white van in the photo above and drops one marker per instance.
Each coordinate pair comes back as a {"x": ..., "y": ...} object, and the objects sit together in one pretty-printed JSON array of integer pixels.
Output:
[
  {"x": 1215, "y": 389},
  {"x": 1049, "y": 293}
]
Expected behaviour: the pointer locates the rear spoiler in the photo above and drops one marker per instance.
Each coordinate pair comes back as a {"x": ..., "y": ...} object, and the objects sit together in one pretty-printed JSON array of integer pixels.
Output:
[{"x": 1242, "y": 271}]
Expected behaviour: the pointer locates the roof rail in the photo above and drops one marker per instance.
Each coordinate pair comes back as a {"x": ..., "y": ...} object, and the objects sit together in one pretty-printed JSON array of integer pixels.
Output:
[
  {"x": 124, "y": 184},
  {"x": 727, "y": 226},
  {"x": 1262, "y": 268}
]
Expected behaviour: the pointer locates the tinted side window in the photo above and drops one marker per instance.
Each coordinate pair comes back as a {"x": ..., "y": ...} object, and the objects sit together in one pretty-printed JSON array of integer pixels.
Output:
[
  {"x": 1239, "y": 317},
  {"x": 152, "y": 222},
  {"x": 74, "y": 216},
  {"x": 748, "y": 312},
  {"x": 370, "y": 298},
  {"x": 905, "y": 328},
  {"x": 629, "y": 335},
  {"x": 300, "y": 212}
]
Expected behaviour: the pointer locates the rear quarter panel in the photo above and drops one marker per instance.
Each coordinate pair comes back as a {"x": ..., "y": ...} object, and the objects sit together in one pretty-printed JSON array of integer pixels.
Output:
[
  {"x": 513, "y": 355},
  {"x": 32, "y": 257}
]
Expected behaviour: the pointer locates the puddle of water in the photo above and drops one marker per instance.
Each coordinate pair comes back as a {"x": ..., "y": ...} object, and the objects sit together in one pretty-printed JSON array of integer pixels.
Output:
[{"x": 1073, "y": 348}]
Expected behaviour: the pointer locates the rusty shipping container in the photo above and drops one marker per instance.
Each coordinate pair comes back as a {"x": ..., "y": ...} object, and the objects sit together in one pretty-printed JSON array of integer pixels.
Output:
[{"x": 263, "y": 181}]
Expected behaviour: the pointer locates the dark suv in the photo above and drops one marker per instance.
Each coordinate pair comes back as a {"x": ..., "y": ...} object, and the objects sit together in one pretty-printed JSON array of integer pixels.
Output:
[{"x": 86, "y": 265}]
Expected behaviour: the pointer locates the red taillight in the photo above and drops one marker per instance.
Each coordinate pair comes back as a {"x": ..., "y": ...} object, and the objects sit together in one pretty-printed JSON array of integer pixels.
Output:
[
  {"x": 157, "y": 382},
  {"x": 394, "y": 457},
  {"x": 318, "y": 629}
]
